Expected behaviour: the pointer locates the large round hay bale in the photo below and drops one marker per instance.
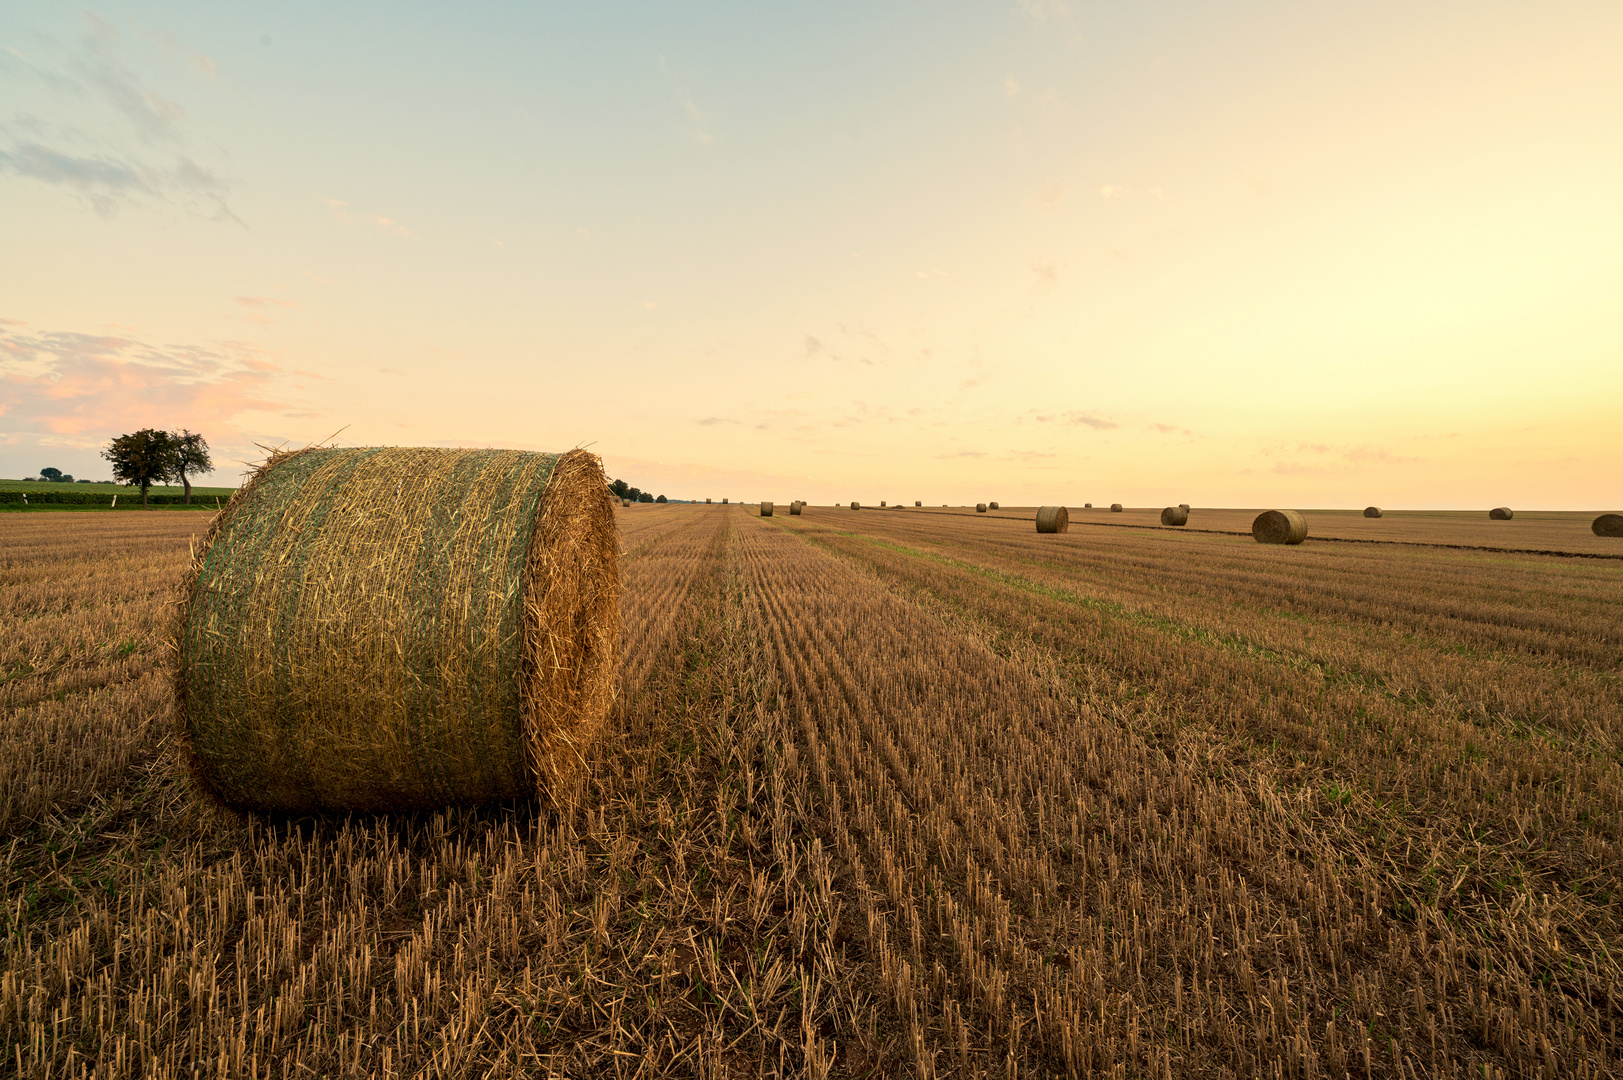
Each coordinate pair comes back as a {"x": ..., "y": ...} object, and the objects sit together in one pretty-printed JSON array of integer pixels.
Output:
[
  {"x": 1372, "y": 511},
  {"x": 795, "y": 508},
  {"x": 1501, "y": 513},
  {"x": 856, "y": 506},
  {"x": 980, "y": 508},
  {"x": 766, "y": 509},
  {"x": 1053, "y": 519},
  {"x": 392, "y": 628},
  {"x": 1115, "y": 508},
  {"x": 993, "y": 505},
  {"x": 1279, "y": 527},
  {"x": 1608, "y": 525},
  {"x": 1174, "y": 515}
]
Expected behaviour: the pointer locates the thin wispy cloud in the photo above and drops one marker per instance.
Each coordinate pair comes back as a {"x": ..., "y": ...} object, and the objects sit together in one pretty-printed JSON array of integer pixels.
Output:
[
  {"x": 106, "y": 135},
  {"x": 1076, "y": 419}
]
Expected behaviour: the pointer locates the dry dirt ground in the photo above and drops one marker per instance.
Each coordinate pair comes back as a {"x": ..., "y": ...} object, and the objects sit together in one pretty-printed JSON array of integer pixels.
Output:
[{"x": 888, "y": 794}]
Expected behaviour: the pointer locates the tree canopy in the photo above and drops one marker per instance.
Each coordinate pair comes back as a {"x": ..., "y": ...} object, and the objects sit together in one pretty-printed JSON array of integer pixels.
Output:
[{"x": 144, "y": 457}]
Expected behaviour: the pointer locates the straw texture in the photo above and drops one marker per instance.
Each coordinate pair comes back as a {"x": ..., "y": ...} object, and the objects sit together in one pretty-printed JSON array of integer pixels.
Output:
[
  {"x": 393, "y": 628},
  {"x": 1608, "y": 525},
  {"x": 1501, "y": 513},
  {"x": 1279, "y": 527},
  {"x": 1053, "y": 519},
  {"x": 1372, "y": 511},
  {"x": 1174, "y": 515}
]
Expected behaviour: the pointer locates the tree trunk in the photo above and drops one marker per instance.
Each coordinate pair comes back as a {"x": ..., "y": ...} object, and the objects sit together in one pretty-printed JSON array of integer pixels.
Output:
[
  {"x": 184, "y": 479},
  {"x": 143, "y": 494}
]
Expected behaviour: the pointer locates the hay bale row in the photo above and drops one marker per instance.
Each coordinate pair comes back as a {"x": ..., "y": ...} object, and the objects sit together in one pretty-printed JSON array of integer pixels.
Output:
[
  {"x": 980, "y": 508},
  {"x": 1372, "y": 511},
  {"x": 766, "y": 508},
  {"x": 1608, "y": 525},
  {"x": 1279, "y": 527},
  {"x": 395, "y": 628},
  {"x": 1053, "y": 519},
  {"x": 1501, "y": 513},
  {"x": 1115, "y": 508},
  {"x": 1175, "y": 515}
]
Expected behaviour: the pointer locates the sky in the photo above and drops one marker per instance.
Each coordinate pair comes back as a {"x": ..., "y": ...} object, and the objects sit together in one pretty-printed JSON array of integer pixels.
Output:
[{"x": 1229, "y": 254}]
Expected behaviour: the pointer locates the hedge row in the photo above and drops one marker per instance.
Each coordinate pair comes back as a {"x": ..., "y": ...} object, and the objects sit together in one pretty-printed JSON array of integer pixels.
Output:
[{"x": 99, "y": 498}]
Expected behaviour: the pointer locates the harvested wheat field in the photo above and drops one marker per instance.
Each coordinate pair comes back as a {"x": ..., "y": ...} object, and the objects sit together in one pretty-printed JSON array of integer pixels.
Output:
[{"x": 913, "y": 794}]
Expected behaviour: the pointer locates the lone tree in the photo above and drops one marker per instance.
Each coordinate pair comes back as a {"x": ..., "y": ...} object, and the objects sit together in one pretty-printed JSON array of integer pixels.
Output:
[
  {"x": 191, "y": 456},
  {"x": 146, "y": 457},
  {"x": 52, "y": 474}
]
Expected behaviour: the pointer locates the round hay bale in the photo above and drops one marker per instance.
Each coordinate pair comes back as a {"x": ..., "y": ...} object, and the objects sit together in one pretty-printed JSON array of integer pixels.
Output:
[
  {"x": 918, "y": 502},
  {"x": 883, "y": 504},
  {"x": 724, "y": 502},
  {"x": 1184, "y": 507},
  {"x": 625, "y": 502},
  {"x": 856, "y": 506},
  {"x": 1087, "y": 506},
  {"x": 1279, "y": 527},
  {"x": 397, "y": 628},
  {"x": 1053, "y": 519},
  {"x": 795, "y": 508},
  {"x": 1372, "y": 511},
  {"x": 1608, "y": 525},
  {"x": 1501, "y": 513},
  {"x": 993, "y": 505},
  {"x": 980, "y": 508},
  {"x": 1174, "y": 515},
  {"x": 766, "y": 509},
  {"x": 707, "y": 501},
  {"x": 1115, "y": 508}
]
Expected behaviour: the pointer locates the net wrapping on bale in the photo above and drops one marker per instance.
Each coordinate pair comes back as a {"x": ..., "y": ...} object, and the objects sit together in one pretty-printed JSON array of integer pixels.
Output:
[
  {"x": 1279, "y": 527},
  {"x": 1053, "y": 519},
  {"x": 392, "y": 628}
]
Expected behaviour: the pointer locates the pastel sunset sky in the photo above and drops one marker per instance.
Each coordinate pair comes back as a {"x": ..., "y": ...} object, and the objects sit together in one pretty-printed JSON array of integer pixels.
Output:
[{"x": 1233, "y": 254}]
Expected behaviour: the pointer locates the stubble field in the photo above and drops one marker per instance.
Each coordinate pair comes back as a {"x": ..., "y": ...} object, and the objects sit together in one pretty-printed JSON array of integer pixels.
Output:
[{"x": 888, "y": 794}]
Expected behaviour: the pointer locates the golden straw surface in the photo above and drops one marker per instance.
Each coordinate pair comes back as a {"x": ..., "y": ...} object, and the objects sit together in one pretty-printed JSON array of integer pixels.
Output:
[{"x": 389, "y": 628}]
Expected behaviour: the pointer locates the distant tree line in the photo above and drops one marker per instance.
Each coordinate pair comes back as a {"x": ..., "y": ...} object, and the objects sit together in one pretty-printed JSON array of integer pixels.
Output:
[
  {"x": 623, "y": 490},
  {"x": 151, "y": 456}
]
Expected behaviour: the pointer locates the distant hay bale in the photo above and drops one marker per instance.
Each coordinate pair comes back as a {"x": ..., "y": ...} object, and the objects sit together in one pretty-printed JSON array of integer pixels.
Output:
[
  {"x": 1501, "y": 513},
  {"x": 795, "y": 508},
  {"x": 625, "y": 502},
  {"x": 1184, "y": 507},
  {"x": 394, "y": 628},
  {"x": 1372, "y": 511},
  {"x": 766, "y": 509},
  {"x": 993, "y": 505},
  {"x": 707, "y": 500},
  {"x": 1174, "y": 515},
  {"x": 1087, "y": 506},
  {"x": 980, "y": 508},
  {"x": 1115, "y": 508},
  {"x": 918, "y": 502},
  {"x": 882, "y": 504},
  {"x": 1279, "y": 527},
  {"x": 1053, "y": 519},
  {"x": 856, "y": 506},
  {"x": 724, "y": 502},
  {"x": 1608, "y": 525}
]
